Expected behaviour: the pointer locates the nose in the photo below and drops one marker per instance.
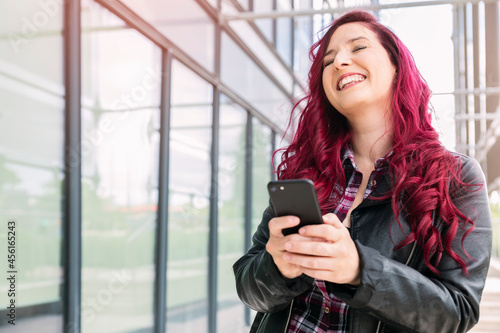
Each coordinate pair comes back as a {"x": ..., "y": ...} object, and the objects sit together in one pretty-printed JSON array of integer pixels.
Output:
[{"x": 342, "y": 59}]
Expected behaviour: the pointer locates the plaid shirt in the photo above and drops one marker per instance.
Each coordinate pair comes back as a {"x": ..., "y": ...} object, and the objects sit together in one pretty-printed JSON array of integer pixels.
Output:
[{"x": 316, "y": 311}]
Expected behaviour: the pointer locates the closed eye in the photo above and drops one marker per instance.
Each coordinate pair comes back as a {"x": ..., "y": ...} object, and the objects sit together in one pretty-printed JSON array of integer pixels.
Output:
[
  {"x": 329, "y": 62},
  {"x": 358, "y": 48}
]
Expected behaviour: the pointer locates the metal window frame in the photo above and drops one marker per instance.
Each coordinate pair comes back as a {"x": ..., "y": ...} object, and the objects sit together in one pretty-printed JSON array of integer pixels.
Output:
[
  {"x": 248, "y": 193},
  {"x": 161, "y": 246},
  {"x": 213, "y": 249},
  {"x": 72, "y": 203}
]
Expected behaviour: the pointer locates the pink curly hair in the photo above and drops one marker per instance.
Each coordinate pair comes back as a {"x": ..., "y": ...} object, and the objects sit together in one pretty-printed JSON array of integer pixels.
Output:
[{"x": 421, "y": 168}]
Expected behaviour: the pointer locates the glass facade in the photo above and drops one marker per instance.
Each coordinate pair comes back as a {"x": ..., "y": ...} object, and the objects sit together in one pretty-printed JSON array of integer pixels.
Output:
[
  {"x": 245, "y": 77},
  {"x": 189, "y": 197},
  {"x": 224, "y": 88},
  {"x": 31, "y": 163}
]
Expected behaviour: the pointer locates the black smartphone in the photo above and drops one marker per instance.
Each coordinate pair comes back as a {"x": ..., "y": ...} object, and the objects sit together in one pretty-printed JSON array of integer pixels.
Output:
[{"x": 295, "y": 197}]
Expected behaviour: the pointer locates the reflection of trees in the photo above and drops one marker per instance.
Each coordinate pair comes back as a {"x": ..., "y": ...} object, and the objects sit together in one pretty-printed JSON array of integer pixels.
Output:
[
  {"x": 38, "y": 233},
  {"x": 188, "y": 228},
  {"x": 115, "y": 236},
  {"x": 10, "y": 197}
]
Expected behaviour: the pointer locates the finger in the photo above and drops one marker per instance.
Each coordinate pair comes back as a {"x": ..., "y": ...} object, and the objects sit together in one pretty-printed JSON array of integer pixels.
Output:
[
  {"x": 332, "y": 219},
  {"x": 314, "y": 248},
  {"x": 310, "y": 262},
  {"x": 325, "y": 231},
  {"x": 277, "y": 224}
]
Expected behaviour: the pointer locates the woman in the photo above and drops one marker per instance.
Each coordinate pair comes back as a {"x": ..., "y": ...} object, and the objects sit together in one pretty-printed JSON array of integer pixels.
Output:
[{"x": 406, "y": 239}]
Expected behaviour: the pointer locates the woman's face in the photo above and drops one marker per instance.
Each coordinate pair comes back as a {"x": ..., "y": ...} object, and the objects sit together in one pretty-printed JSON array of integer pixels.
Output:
[{"x": 358, "y": 73}]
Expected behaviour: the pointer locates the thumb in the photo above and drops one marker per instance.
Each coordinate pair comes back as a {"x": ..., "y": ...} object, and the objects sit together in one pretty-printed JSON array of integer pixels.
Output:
[{"x": 332, "y": 219}]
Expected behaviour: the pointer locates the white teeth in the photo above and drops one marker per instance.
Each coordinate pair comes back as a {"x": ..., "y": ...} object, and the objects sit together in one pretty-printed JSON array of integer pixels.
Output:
[{"x": 351, "y": 78}]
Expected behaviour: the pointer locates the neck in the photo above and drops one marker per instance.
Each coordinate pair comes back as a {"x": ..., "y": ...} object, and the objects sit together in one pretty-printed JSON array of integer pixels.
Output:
[{"x": 371, "y": 138}]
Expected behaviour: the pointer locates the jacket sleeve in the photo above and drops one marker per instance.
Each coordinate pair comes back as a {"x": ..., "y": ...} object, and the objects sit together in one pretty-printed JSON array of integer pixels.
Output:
[
  {"x": 259, "y": 283},
  {"x": 406, "y": 299}
]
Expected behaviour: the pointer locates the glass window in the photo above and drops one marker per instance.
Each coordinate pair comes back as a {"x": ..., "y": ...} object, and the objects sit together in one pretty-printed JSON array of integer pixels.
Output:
[
  {"x": 241, "y": 74},
  {"x": 303, "y": 42},
  {"x": 263, "y": 52},
  {"x": 120, "y": 147},
  {"x": 436, "y": 66},
  {"x": 31, "y": 162},
  {"x": 284, "y": 33},
  {"x": 182, "y": 22},
  {"x": 188, "y": 233},
  {"x": 444, "y": 120},
  {"x": 213, "y": 3},
  {"x": 231, "y": 213},
  {"x": 265, "y": 25},
  {"x": 244, "y": 4},
  {"x": 261, "y": 169},
  {"x": 228, "y": 7}
]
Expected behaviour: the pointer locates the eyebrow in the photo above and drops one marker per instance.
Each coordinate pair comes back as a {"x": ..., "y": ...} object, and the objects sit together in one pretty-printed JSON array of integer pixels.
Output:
[{"x": 350, "y": 41}]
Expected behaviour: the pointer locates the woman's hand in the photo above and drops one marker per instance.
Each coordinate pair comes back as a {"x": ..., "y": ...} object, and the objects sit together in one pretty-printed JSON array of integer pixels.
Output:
[
  {"x": 334, "y": 258},
  {"x": 276, "y": 244}
]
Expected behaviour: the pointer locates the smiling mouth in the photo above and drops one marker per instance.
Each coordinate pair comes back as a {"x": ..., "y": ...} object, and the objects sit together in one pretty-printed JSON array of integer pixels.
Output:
[{"x": 350, "y": 80}]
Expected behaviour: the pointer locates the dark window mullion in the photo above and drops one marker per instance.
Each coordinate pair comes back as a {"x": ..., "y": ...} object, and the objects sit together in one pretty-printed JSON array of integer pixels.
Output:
[
  {"x": 160, "y": 288},
  {"x": 72, "y": 204},
  {"x": 213, "y": 249},
  {"x": 213, "y": 229},
  {"x": 248, "y": 193}
]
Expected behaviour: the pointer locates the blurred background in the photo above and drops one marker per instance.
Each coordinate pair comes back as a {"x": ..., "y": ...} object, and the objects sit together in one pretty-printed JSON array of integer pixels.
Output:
[{"x": 136, "y": 142}]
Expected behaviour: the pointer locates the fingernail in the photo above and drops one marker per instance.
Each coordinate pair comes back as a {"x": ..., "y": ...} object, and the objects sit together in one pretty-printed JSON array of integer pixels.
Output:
[
  {"x": 286, "y": 256},
  {"x": 288, "y": 246}
]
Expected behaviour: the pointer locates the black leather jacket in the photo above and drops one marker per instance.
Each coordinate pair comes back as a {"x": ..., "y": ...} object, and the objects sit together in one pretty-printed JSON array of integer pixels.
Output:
[{"x": 398, "y": 293}]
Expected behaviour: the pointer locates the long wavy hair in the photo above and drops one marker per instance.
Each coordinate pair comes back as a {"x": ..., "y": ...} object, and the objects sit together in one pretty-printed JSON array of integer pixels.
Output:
[{"x": 421, "y": 168}]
